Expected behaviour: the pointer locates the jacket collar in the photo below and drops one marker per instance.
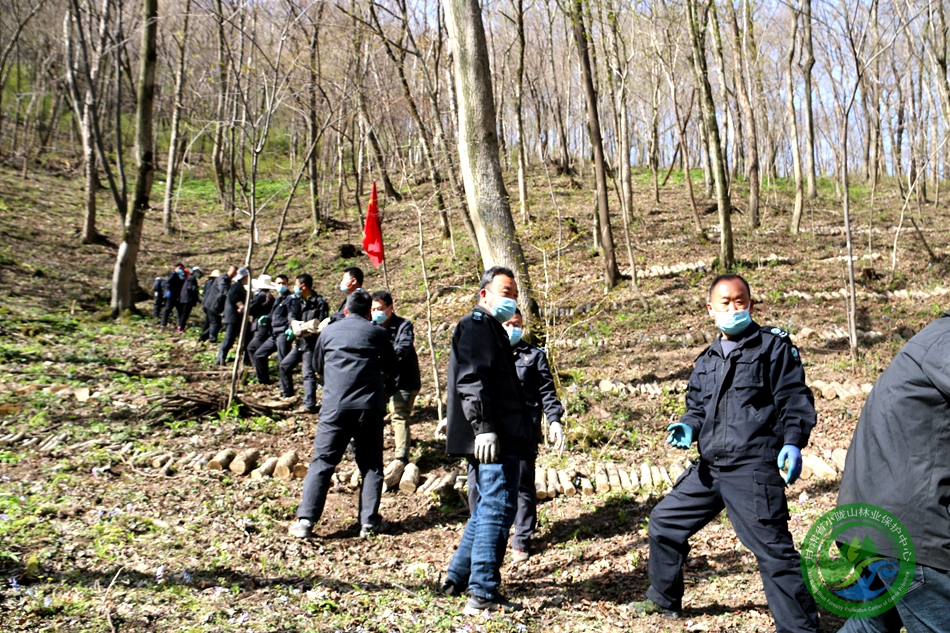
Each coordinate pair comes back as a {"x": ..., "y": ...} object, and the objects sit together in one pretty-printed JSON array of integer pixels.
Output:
[{"x": 746, "y": 338}]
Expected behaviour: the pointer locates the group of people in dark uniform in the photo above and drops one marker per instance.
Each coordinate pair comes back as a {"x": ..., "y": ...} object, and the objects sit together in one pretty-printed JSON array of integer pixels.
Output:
[{"x": 747, "y": 407}]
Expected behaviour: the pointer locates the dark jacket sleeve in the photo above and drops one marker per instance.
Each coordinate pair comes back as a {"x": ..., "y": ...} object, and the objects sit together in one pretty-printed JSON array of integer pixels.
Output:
[
  {"x": 387, "y": 355},
  {"x": 294, "y": 309},
  {"x": 318, "y": 357},
  {"x": 221, "y": 289},
  {"x": 695, "y": 411},
  {"x": 936, "y": 365},
  {"x": 405, "y": 340},
  {"x": 474, "y": 361},
  {"x": 549, "y": 401},
  {"x": 794, "y": 402}
]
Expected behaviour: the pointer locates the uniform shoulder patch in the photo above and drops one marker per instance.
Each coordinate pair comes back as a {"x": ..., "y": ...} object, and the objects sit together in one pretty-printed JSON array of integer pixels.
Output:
[
  {"x": 476, "y": 315},
  {"x": 779, "y": 332}
]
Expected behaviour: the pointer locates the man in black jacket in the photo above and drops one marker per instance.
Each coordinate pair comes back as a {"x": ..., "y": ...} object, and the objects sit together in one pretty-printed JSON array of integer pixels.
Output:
[
  {"x": 748, "y": 407},
  {"x": 173, "y": 284},
  {"x": 188, "y": 297},
  {"x": 898, "y": 462},
  {"x": 403, "y": 385},
  {"x": 276, "y": 323},
  {"x": 219, "y": 296},
  {"x": 351, "y": 282},
  {"x": 352, "y": 355},
  {"x": 487, "y": 424},
  {"x": 308, "y": 306},
  {"x": 207, "y": 301},
  {"x": 537, "y": 384},
  {"x": 234, "y": 315}
]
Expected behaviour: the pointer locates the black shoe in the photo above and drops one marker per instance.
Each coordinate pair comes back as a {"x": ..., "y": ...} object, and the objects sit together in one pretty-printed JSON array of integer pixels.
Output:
[
  {"x": 309, "y": 410},
  {"x": 478, "y": 606},
  {"x": 648, "y": 607},
  {"x": 369, "y": 529},
  {"x": 449, "y": 588}
]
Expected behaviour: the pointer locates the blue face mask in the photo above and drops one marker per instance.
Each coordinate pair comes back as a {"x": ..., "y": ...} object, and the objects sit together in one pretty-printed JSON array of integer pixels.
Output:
[
  {"x": 514, "y": 334},
  {"x": 344, "y": 286},
  {"x": 281, "y": 288},
  {"x": 298, "y": 291},
  {"x": 379, "y": 316},
  {"x": 734, "y": 322},
  {"x": 504, "y": 308},
  {"x": 181, "y": 273}
]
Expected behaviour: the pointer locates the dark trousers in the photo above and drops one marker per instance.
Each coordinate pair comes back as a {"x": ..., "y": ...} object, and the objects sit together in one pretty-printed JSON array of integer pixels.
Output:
[
  {"x": 159, "y": 304},
  {"x": 232, "y": 331},
  {"x": 211, "y": 326},
  {"x": 526, "y": 516},
  {"x": 184, "y": 311},
  {"x": 754, "y": 497},
  {"x": 293, "y": 357},
  {"x": 260, "y": 353},
  {"x": 334, "y": 432},
  {"x": 170, "y": 303}
]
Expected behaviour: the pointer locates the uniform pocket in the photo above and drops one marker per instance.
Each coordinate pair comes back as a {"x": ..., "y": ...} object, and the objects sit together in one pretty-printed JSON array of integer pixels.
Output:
[
  {"x": 769, "y": 495},
  {"x": 748, "y": 374}
]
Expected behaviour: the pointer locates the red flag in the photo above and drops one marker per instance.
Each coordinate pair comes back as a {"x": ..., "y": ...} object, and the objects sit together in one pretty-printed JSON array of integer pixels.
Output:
[{"x": 372, "y": 233}]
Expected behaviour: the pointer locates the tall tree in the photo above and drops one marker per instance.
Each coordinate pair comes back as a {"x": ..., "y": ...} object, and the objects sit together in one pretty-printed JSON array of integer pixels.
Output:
[
  {"x": 174, "y": 154},
  {"x": 478, "y": 141},
  {"x": 698, "y": 18},
  {"x": 123, "y": 278},
  {"x": 808, "y": 63},
  {"x": 597, "y": 144},
  {"x": 793, "y": 127}
]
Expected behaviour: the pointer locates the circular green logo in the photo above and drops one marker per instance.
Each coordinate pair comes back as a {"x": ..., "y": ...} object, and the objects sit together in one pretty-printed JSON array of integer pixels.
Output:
[{"x": 858, "y": 560}]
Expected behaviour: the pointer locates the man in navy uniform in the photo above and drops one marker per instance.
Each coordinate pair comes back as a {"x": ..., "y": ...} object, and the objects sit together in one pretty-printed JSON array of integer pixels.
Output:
[
  {"x": 173, "y": 284},
  {"x": 352, "y": 355},
  {"x": 403, "y": 384},
  {"x": 537, "y": 383},
  {"x": 750, "y": 411},
  {"x": 488, "y": 424},
  {"x": 234, "y": 314},
  {"x": 351, "y": 282},
  {"x": 308, "y": 306},
  {"x": 275, "y": 324}
]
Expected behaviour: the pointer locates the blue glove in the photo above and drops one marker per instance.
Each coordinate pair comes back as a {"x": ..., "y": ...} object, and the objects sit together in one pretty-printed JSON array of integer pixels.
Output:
[
  {"x": 289, "y": 332},
  {"x": 793, "y": 456},
  {"x": 168, "y": 294},
  {"x": 681, "y": 435}
]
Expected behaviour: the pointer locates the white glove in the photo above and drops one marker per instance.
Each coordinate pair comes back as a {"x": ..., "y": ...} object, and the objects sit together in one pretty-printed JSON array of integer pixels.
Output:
[
  {"x": 556, "y": 434},
  {"x": 487, "y": 447},
  {"x": 295, "y": 326},
  {"x": 440, "y": 433}
]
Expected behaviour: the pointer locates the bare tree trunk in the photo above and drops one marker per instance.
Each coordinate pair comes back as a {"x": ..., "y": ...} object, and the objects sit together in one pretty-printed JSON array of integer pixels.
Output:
[
  {"x": 478, "y": 142},
  {"x": 221, "y": 84},
  {"x": 519, "y": 92},
  {"x": 123, "y": 279},
  {"x": 743, "y": 88},
  {"x": 172, "y": 166},
  {"x": 795, "y": 225},
  {"x": 808, "y": 62},
  {"x": 698, "y": 19},
  {"x": 597, "y": 144}
]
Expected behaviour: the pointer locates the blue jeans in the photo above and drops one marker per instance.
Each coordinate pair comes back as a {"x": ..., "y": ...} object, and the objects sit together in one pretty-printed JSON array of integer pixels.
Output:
[
  {"x": 526, "y": 516},
  {"x": 477, "y": 561},
  {"x": 923, "y": 609}
]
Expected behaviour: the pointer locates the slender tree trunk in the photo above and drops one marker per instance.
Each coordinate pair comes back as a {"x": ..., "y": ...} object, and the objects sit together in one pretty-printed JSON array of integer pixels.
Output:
[
  {"x": 172, "y": 166},
  {"x": 519, "y": 93},
  {"x": 795, "y": 225},
  {"x": 743, "y": 88},
  {"x": 478, "y": 142},
  {"x": 221, "y": 84},
  {"x": 697, "y": 17},
  {"x": 808, "y": 63},
  {"x": 597, "y": 144},
  {"x": 123, "y": 279}
]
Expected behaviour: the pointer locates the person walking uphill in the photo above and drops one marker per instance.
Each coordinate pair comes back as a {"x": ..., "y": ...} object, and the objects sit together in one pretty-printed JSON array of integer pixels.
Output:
[
  {"x": 488, "y": 424},
  {"x": 233, "y": 314},
  {"x": 211, "y": 322},
  {"x": 173, "y": 285},
  {"x": 352, "y": 355},
  {"x": 188, "y": 297},
  {"x": 748, "y": 407},
  {"x": 308, "y": 306}
]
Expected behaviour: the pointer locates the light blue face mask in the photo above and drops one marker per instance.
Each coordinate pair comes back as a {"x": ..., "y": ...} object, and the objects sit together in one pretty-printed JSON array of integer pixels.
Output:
[
  {"x": 344, "y": 286},
  {"x": 504, "y": 308},
  {"x": 298, "y": 291},
  {"x": 281, "y": 288},
  {"x": 514, "y": 334},
  {"x": 734, "y": 322},
  {"x": 379, "y": 316}
]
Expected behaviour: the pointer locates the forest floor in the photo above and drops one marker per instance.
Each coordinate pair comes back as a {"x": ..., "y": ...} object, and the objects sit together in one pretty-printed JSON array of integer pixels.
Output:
[{"x": 92, "y": 541}]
